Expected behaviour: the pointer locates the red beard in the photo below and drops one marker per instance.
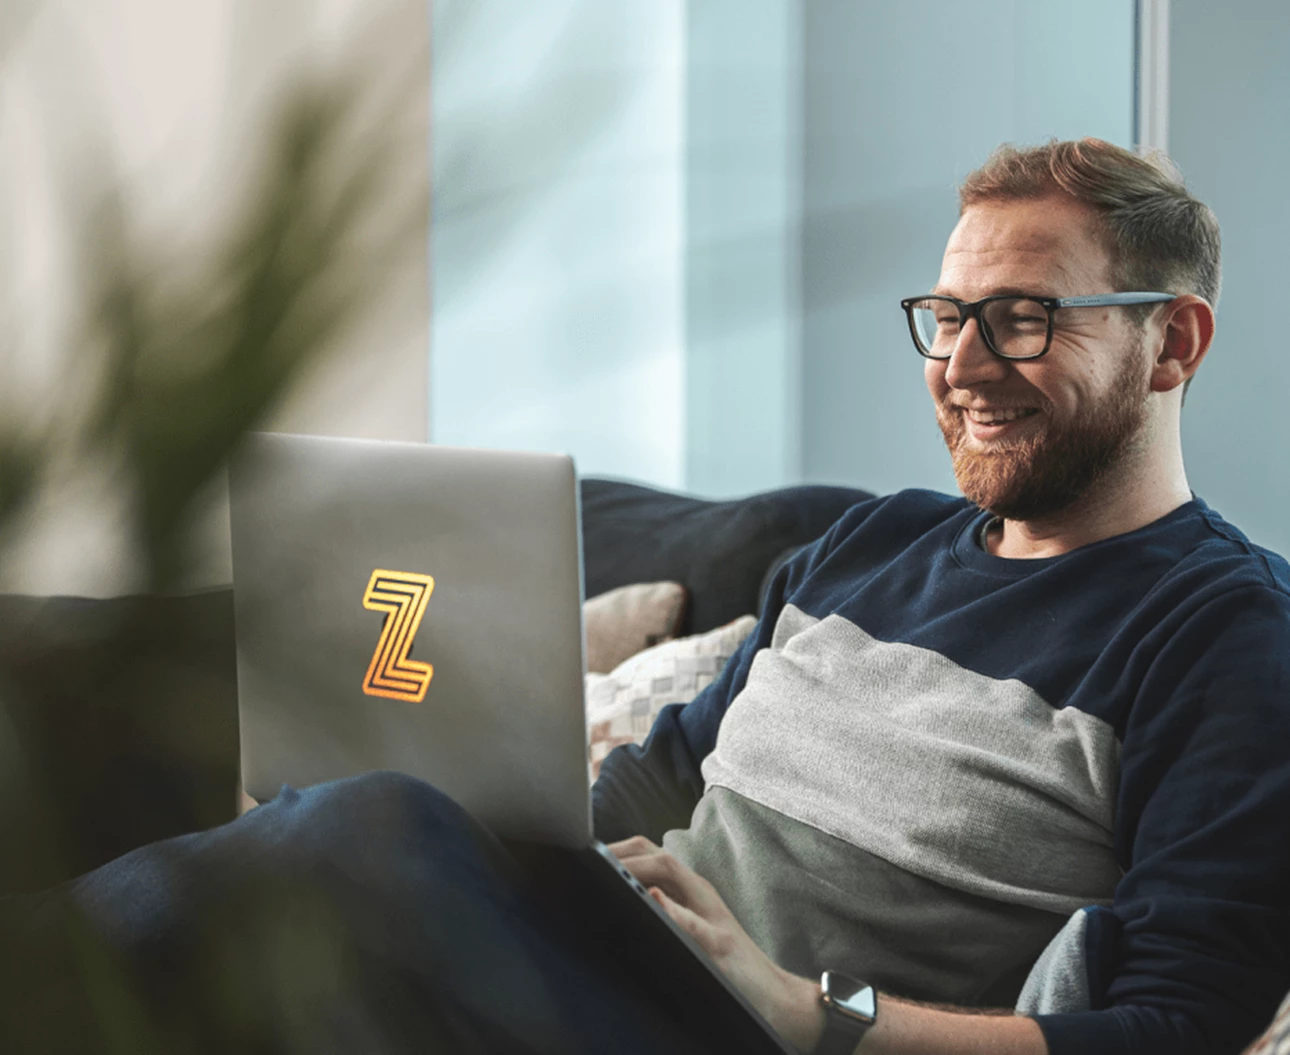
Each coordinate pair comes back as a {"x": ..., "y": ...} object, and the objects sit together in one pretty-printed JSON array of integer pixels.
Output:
[{"x": 1049, "y": 470}]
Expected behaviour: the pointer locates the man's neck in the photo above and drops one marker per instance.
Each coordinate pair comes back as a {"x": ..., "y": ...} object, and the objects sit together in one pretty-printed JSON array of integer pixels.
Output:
[{"x": 1138, "y": 499}]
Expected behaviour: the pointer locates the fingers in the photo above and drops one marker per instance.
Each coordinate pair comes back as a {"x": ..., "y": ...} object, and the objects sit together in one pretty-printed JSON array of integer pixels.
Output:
[
  {"x": 660, "y": 870},
  {"x": 636, "y": 846},
  {"x": 652, "y": 866},
  {"x": 680, "y": 914},
  {"x": 674, "y": 879},
  {"x": 655, "y": 867},
  {"x": 711, "y": 938},
  {"x": 687, "y": 919}
]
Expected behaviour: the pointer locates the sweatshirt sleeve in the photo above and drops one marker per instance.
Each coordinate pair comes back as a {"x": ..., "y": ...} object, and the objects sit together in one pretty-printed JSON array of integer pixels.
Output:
[
  {"x": 1198, "y": 953},
  {"x": 652, "y": 788}
]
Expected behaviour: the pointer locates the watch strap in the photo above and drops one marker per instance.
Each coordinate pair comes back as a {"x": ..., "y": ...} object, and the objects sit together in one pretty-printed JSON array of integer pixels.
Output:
[
  {"x": 844, "y": 1027},
  {"x": 837, "y": 1041}
]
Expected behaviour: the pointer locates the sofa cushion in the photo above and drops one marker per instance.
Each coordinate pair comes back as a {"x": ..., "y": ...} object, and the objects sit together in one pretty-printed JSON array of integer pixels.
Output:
[
  {"x": 622, "y": 705},
  {"x": 622, "y": 622},
  {"x": 718, "y": 550},
  {"x": 1275, "y": 1040}
]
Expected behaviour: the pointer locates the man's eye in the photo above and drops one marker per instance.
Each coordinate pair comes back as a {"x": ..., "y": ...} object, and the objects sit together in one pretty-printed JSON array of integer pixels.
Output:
[{"x": 947, "y": 321}]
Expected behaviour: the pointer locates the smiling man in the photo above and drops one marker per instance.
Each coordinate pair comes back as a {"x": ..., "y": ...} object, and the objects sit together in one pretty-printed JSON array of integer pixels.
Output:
[
  {"x": 1027, "y": 749},
  {"x": 1036, "y": 438}
]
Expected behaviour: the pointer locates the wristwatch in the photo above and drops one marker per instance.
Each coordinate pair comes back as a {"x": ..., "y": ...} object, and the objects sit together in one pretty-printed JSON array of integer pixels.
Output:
[{"x": 851, "y": 1008}]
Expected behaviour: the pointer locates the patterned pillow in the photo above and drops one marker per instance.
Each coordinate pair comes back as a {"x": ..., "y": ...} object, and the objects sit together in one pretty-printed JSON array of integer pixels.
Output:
[
  {"x": 620, "y": 623},
  {"x": 622, "y": 705},
  {"x": 1276, "y": 1039}
]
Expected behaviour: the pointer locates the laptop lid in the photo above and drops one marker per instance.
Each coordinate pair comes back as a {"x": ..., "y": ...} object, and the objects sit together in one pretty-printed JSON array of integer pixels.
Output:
[{"x": 414, "y": 608}]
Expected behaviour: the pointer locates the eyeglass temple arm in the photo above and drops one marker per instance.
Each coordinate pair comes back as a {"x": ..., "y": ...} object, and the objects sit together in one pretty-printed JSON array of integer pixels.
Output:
[{"x": 1109, "y": 299}]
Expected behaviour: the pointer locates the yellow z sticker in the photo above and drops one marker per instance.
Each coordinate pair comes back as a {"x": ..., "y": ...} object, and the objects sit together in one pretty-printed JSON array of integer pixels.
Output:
[{"x": 402, "y": 596}]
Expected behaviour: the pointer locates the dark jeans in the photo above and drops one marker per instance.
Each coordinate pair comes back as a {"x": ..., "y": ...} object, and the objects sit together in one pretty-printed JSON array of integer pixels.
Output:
[{"x": 370, "y": 915}]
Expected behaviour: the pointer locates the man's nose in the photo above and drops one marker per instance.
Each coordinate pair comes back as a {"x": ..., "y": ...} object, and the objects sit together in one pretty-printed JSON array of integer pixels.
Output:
[{"x": 971, "y": 362}]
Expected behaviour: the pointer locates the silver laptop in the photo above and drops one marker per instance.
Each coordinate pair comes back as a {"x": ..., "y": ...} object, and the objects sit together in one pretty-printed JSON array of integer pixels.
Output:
[
  {"x": 417, "y": 608},
  {"x": 413, "y": 608}
]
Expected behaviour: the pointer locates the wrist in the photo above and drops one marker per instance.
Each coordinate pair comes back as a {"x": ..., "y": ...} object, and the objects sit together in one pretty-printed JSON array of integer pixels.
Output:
[{"x": 800, "y": 1017}]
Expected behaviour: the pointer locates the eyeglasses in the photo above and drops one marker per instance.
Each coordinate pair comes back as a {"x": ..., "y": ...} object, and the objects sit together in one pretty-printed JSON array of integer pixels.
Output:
[{"x": 1012, "y": 327}]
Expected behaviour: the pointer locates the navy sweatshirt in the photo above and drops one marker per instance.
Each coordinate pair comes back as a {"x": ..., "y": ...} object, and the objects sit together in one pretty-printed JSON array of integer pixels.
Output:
[{"x": 929, "y": 765}]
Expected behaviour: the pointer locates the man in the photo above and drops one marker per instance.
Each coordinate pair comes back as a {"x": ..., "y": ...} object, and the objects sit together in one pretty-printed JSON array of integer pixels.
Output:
[
  {"x": 1030, "y": 747},
  {"x": 962, "y": 724}
]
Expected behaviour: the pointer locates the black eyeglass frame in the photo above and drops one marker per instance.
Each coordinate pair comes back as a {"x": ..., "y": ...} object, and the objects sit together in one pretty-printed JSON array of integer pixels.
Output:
[{"x": 1050, "y": 304}]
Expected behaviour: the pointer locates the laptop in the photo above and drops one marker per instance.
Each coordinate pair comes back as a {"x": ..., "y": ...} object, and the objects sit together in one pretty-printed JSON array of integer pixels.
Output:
[{"x": 417, "y": 608}]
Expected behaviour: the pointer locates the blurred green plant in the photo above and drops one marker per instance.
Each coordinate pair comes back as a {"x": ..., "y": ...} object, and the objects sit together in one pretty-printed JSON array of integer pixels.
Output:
[
  {"x": 124, "y": 710},
  {"x": 190, "y": 370},
  {"x": 118, "y": 718},
  {"x": 179, "y": 353},
  {"x": 187, "y": 360}
]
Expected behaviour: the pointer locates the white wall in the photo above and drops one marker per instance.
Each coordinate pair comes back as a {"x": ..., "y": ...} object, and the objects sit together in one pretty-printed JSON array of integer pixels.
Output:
[
  {"x": 670, "y": 235},
  {"x": 1229, "y": 130},
  {"x": 901, "y": 102},
  {"x": 173, "y": 94},
  {"x": 743, "y": 245},
  {"x": 557, "y": 231}
]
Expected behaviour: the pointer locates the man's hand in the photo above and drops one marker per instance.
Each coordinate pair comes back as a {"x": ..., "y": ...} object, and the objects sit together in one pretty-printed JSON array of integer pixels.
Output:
[{"x": 789, "y": 1003}]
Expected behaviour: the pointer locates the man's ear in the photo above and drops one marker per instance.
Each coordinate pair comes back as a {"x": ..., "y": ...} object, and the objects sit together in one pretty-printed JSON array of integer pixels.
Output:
[{"x": 1186, "y": 327}]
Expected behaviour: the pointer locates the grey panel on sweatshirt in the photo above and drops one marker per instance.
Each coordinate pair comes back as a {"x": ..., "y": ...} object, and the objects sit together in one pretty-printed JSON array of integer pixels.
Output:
[
  {"x": 812, "y": 901},
  {"x": 974, "y": 783}
]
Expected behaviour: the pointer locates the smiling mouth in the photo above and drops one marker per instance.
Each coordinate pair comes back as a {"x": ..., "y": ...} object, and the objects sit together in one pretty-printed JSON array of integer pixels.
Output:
[{"x": 999, "y": 417}]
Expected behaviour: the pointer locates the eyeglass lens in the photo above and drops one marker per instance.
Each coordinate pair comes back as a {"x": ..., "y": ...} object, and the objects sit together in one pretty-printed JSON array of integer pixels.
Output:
[{"x": 1016, "y": 327}]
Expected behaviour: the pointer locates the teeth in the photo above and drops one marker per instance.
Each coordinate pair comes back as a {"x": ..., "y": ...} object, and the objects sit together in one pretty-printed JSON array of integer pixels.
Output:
[{"x": 994, "y": 417}]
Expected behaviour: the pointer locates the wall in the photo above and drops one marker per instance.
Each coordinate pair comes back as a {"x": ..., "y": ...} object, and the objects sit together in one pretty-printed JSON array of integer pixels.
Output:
[
  {"x": 173, "y": 96},
  {"x": 743, "y": 218},
  {"x": 557, "y": 231},
  {"x": 616, "y": 234},
  {"x": 1229, "y": 131},
  {"x": 757, "y": 184},
  {"x": 671, "y": 237},
  {"x": 902, "y": 101}
]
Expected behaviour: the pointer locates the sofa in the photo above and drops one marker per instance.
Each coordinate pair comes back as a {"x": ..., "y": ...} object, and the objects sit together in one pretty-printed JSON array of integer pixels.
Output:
[{"x": 118, "y": 718}]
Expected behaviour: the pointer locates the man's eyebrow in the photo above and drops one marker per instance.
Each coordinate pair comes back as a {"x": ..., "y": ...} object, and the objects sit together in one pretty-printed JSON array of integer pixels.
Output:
[{"x": 1006, "y": 291}]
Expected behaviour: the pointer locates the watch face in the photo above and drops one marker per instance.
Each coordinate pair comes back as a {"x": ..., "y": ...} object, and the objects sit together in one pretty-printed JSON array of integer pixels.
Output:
[{"x": 853, "y": 998}]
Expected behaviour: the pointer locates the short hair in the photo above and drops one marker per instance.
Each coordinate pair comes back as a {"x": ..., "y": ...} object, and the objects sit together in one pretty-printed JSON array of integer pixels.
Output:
[{"x": 1159, "y": 236}]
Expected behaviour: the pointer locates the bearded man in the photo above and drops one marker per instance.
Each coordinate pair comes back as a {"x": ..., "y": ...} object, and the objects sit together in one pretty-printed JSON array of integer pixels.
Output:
[{"x": 1030, "y": 748}]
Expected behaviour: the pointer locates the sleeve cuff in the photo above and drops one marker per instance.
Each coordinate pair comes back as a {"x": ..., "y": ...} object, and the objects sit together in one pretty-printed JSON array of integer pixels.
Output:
[{"x": 1084, "y": 1032}]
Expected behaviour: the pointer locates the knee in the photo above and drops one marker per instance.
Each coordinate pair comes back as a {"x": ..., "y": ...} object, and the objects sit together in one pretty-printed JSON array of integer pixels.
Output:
[
  {"x": 383, "y": 797},
  {"x": 378, "y": 821}
]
